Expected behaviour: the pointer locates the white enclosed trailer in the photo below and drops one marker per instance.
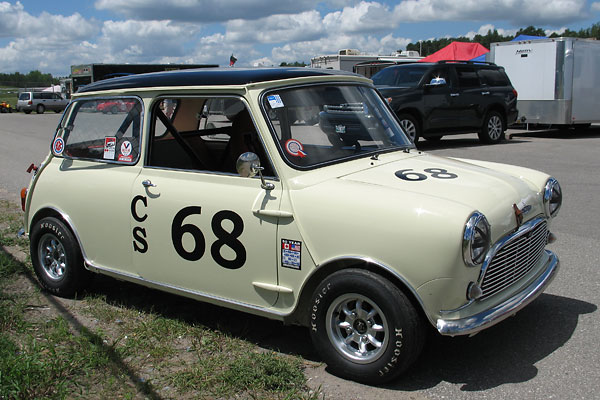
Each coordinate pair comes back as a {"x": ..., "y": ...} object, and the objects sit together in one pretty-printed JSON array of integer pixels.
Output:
[{"x": 557, "y": 80}]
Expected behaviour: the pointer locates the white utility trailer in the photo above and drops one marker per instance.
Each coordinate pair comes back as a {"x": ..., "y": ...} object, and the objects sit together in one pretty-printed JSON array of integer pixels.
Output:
[{"x": 557, "y": 80}]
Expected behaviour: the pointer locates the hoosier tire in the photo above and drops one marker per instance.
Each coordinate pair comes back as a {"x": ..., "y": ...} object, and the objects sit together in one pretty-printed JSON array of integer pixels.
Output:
[
  {"x": 364, "y": 327},
  {"x": 56, "y": 258}
]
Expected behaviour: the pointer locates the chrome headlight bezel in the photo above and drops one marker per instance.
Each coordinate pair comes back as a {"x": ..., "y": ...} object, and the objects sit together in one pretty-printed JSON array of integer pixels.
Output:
[
  {"x": 476, "y": 239},
  {"x": 552, "y": 198}
]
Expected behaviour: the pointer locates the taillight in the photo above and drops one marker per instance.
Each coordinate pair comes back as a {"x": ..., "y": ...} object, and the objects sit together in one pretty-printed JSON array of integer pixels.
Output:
[
  {"x": 30, "y": 102},
  {"x": 515, "y": 93},
  {"x": 23, "y": 198}
]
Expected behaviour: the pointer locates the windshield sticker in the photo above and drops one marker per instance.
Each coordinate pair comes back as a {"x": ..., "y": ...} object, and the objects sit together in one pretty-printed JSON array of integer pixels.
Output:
[
  {"x": 110, "y": 144},
  {"x": 126, "y": 152},
  {"x": 291, "y": 254},
  {"x": 58, "y": 146},
  {"x": 275, "y": 101},
  {"x": 295, "y": 148}
]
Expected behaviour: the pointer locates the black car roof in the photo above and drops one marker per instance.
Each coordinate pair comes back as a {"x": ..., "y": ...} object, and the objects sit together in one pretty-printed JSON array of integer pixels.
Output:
[{"x": 208, "y": 77}]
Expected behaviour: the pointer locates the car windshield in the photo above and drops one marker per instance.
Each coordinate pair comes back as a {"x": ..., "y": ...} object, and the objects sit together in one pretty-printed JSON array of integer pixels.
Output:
[
  {"x": 320, "y": 124},
  {"x": 405, "y": 75}
]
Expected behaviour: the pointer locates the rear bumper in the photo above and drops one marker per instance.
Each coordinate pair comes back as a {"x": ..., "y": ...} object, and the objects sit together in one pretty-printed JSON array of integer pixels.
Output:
[{"x": 475, "y": 323}]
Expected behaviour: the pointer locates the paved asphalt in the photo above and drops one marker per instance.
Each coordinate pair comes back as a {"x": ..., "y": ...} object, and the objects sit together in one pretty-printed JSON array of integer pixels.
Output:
[{"x": 548, "y": 350}]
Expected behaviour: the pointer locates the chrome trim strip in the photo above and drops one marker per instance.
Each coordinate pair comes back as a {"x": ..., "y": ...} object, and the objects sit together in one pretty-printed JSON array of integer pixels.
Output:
[
  {"x": 188, "y": 292},
  {"x": 490, "y": 317}
]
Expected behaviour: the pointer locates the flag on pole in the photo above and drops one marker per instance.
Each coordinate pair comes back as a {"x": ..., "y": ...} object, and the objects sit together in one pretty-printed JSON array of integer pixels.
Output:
[{"x": 232, "y": 60}]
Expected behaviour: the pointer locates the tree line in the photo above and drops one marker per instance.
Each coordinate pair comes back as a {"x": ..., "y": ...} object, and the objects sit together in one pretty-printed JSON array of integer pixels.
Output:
[
  {"x": 428, "y": 47},
  {"x": 32, "y": 79}
]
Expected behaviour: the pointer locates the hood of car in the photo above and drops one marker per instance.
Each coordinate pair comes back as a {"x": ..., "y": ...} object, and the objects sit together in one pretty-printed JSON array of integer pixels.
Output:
[{"x": 489, "y": 191}]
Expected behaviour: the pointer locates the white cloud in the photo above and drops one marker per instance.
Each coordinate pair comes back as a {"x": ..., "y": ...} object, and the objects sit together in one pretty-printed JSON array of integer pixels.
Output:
[
  {"x": 208, "y": 11},
  {"x": 517, "y": 12},
  {"x": 364, "y": 17},
  {"x": 484, "y": 29},
  {"x": 276, "y": 28},
  {"x": 595, "y": 6}
]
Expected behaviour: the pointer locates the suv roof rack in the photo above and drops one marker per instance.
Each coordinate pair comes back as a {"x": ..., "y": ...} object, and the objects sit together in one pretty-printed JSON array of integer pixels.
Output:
[{"x": 464, "y": 62}]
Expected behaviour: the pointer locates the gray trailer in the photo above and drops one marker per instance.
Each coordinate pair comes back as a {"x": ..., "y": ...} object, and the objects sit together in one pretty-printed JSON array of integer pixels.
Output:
[{"x": 557, "y": 80}]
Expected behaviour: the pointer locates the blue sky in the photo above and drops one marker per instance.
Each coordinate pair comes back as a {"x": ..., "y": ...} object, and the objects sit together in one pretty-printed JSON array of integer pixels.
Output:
[{"x": 52, "y": 35}]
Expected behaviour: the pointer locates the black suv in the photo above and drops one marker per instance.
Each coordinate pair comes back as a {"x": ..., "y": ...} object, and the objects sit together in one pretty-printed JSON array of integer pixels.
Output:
[{"x": 446, "y": 97}]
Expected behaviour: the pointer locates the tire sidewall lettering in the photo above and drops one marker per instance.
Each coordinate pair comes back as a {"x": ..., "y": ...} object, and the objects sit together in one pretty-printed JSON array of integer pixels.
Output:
[{"x": 315, "y": 308}]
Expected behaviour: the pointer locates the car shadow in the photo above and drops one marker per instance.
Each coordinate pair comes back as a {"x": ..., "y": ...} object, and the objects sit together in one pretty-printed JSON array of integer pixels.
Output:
[
  {"x": 513, "y": 136},
  {"x": 505, "y": 353}
]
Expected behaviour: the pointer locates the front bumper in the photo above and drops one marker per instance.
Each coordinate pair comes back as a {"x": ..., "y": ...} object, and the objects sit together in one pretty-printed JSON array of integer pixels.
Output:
[{"x": 483, "y": 320}]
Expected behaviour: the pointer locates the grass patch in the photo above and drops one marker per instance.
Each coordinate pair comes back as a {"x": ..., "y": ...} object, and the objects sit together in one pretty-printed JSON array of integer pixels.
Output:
[{"x": 124, "y": 342}]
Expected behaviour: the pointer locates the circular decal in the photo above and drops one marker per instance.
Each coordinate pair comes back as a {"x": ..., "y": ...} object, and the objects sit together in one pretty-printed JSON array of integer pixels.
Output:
[
  {"x": 58, "y": 146},
  {"x": 126, "y": 148},
  {"x": 295, "y": 148}
]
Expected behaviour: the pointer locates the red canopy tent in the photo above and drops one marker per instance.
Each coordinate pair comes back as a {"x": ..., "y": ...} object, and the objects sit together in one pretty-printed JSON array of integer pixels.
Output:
[{"x": 457, "y": 51}]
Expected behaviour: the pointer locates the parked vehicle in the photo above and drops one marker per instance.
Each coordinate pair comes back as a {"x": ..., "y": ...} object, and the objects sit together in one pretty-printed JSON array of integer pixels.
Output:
[
  {"x": 113, "y": 107},
  {"x": 332, "y": 221},
  {"x": 557, "y": 79},
  {"x": 436, "y": 99},
  {"x": 40, "y": 102},
  {"x": 5, "y": 107}
]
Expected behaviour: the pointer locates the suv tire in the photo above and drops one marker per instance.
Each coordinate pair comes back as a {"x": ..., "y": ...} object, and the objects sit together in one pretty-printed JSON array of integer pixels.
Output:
[
  {"x": 493, "y": 128},
  {"x": 411, "y": 126}
]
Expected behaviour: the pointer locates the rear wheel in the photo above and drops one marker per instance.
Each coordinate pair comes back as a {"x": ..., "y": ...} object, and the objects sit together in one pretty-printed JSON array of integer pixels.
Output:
[
  {"x": 40, "y": 109},
  {"x": 364, "y": 327},
  {"x": 493, "y": 128},
  {"x": 410, "y": 126},
  {"x": 56, "y": 258}
]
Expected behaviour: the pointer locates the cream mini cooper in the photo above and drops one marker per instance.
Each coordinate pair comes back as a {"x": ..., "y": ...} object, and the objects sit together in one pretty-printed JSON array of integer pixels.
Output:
[{"x": 292, "y": 194}]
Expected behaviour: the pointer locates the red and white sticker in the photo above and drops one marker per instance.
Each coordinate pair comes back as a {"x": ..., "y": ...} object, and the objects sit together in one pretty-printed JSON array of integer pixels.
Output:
[
  {"x": 58, "y": 146},
  {"x": 126, "y": 148},
  {"x": 110, "y": 144},
  {"x": 295, "y": 148}
]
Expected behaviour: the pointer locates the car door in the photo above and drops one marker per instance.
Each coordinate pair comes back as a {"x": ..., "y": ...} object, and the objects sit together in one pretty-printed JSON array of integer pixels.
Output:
[
  {"x": 197, "y": 226},
  {"x": 438, "y": 108},
  {"x": 471, "y": 98},
  {"x": 95, "y": 167}
]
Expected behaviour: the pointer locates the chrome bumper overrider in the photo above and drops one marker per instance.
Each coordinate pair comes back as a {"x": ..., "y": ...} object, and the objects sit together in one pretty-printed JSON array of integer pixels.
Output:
[{"x": 475, "y": 323}]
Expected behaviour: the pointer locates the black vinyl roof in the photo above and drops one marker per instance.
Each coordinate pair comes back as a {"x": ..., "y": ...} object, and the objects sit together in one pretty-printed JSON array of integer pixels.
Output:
[{"x": 208, "y": 77}]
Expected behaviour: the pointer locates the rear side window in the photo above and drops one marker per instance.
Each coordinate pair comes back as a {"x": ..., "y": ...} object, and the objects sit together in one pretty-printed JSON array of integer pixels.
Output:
[
  {"x": 467, "y": 77},
  {"x": 104, "y": 130},
  {"x": 493, "y": 77}
]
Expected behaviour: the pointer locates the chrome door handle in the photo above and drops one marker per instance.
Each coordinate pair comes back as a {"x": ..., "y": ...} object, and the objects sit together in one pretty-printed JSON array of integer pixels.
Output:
[
  {"x": 148, "y": 183},
  {"x": 485, "y": 93},
  {"x": 454, "y": 94}
]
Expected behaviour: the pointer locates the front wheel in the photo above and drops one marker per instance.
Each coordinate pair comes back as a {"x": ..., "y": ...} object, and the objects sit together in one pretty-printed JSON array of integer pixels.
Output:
[
  {"x": 410, "y": 126},
  {"x": 364, "y": 327},
  {"x": 56, "y": 258},
  {"x": 493, "y": 128}
]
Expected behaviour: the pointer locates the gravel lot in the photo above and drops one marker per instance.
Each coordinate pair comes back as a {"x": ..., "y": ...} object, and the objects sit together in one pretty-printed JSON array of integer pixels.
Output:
[{"x": 548, "y": 350}]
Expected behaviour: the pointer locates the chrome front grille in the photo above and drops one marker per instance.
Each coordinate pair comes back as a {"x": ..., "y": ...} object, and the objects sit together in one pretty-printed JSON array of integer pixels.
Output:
[{"x": 515, "y": 257}]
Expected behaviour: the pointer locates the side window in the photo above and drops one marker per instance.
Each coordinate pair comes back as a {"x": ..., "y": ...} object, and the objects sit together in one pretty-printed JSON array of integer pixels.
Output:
[
  {"x": 436, "y": 74},
  {"x": 203, "y": 133},
  {"x": 104, "y": 130},
  {"x": 493, "y": 77},
  {"x": 37, "y": 95},
  {"x": 467, "y": 77}
]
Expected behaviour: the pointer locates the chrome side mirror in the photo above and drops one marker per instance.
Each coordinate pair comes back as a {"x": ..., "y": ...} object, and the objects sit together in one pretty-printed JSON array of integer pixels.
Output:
[{"x": 248, "y": 166}]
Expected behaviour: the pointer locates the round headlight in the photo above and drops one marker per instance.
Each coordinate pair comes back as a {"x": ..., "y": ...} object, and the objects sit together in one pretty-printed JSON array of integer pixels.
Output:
[
  {"x": 476, "y": 240},
  {"x": 552, "y": 197}
]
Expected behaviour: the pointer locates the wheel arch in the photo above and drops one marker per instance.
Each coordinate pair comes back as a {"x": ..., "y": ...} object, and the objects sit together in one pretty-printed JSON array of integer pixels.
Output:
[
  {"x": 301, "y": 313},
  {"x": 64, "y": 218},
  {"x": 500, "y": 109},
  {"x": 412, "y": 111}
]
